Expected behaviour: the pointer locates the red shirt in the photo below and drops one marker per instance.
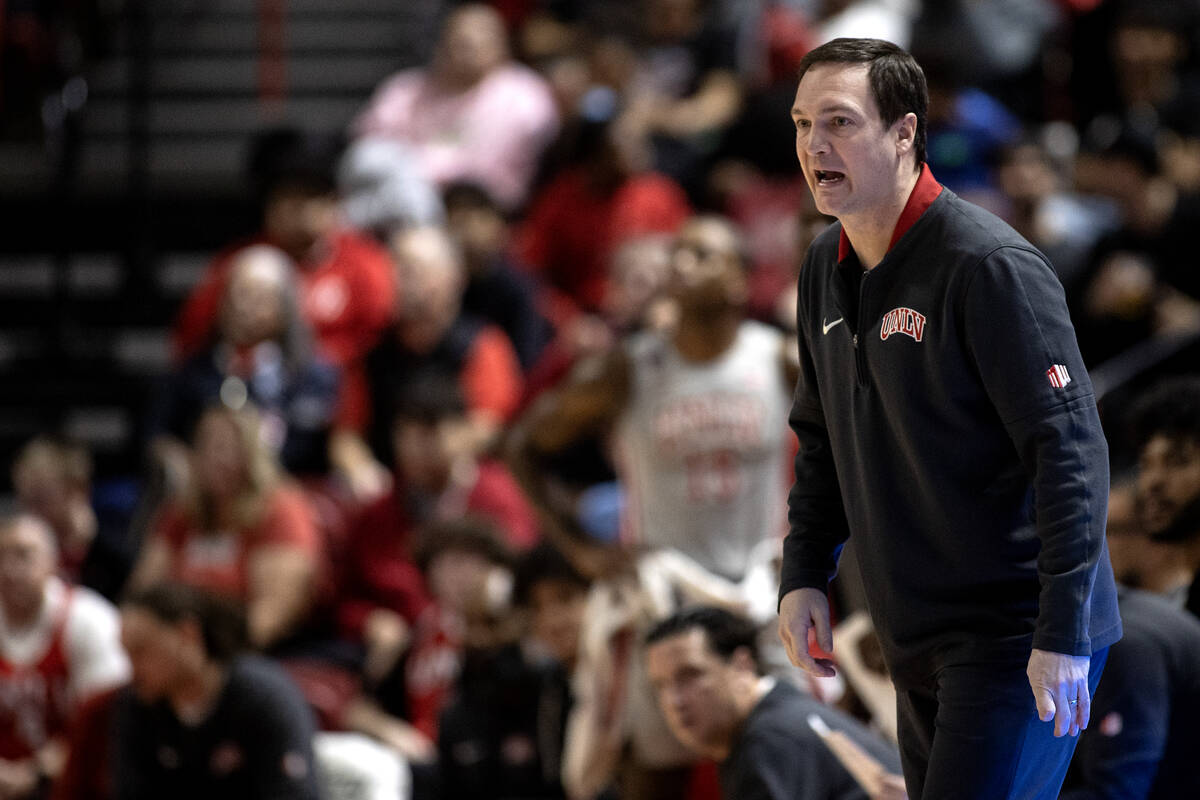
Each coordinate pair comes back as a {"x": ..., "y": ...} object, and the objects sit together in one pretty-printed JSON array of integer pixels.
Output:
[
  {"x": 432, "y": 667},
  {"x": 348, "y": 298},
  {"x": 380, "y": 570},
  {"x": 571, "y": 231},
  {"x": 35, "y": 698},
  {"x": 219, "y": 560},
  {"x": 86, "y": 775}
]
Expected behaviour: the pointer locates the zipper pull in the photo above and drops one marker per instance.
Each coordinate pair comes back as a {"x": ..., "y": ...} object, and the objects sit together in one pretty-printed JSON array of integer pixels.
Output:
[{"x": 854, "y": 340}]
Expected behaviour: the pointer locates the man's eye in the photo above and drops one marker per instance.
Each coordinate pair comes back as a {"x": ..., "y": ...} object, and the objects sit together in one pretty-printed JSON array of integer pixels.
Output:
[
  {"x": 802, "y": 124},
  {"x": 841, "y": 122}
]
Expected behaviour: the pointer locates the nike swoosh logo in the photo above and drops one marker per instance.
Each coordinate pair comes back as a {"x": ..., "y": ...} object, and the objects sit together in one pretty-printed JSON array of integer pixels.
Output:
[{"x": 826, "y": 328}]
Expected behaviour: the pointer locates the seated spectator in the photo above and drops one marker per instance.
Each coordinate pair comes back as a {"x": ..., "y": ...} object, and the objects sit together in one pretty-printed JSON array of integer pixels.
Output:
[
  {"x": 346, "y": 281},
  {"x": 1041, "y": 207},
  {"x": 438, "y": 479},
  {"x": 53, "y": 480},
  {"x": 578, "y": 220},
  {"x": 200, "y": 719},
  {"x": 1138, "y": 282},
  {"x": 685, "y": 91},
  {"x": 1141, "y": 743},
  {"x": 240, "y": 530},
  {"x": 465, "y": 568},
  {"x": 433, "y": 336},
  {"x": 260, "y": 352},
  {"x": 473, "y": 114},
  {"x": 497, "y": 290},
  {"x": 1167, "y": 432},
  {"x": 502, "y": 734},
  {"x": 703, "y": 665},
  {"x": 553, "y": 593},
  {"x": 58, "y": 647}
]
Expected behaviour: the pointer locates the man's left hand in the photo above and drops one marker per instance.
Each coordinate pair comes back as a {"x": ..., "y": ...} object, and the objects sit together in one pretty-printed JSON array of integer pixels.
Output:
[{"x": 1060, "y": 689}]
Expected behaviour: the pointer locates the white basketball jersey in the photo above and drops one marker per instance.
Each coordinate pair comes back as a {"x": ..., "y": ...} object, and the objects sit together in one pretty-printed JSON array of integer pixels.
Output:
[{"x": 702, "y": 448}]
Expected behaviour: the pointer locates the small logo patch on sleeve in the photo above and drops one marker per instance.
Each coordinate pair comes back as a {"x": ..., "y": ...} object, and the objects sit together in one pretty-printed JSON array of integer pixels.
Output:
[{"x": 1058, "y": 376}]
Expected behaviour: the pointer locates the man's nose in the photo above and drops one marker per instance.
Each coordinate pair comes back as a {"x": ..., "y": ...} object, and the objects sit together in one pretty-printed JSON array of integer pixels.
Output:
[{"x": 816, "y": 143}]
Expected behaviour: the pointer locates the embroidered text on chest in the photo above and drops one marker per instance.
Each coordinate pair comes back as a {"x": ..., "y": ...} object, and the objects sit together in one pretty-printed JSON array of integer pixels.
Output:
[{"x": 903, "y": 320}]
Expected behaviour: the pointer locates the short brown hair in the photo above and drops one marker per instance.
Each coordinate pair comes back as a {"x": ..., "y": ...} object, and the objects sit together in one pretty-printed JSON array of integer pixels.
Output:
[{"x": 897, "y": 80}]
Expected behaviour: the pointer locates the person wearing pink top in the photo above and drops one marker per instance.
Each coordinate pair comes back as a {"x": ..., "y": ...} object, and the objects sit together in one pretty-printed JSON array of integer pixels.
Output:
[{"x": 473, "y": 114}]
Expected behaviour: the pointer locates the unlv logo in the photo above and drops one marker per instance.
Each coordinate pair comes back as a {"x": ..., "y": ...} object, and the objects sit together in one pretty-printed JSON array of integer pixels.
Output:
[{"x": 903, "y": 320}]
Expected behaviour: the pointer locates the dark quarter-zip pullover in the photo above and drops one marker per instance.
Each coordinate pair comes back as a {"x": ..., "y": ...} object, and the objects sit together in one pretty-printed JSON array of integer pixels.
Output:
[{"x": 947, "y": 423}]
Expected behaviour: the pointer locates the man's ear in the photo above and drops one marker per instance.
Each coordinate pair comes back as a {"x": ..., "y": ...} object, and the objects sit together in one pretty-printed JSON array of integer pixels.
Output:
[{"x": 906, "y": 133}]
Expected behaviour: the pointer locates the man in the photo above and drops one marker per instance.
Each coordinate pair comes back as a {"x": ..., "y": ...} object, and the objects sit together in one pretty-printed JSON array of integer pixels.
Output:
[
  {"x": 703, "y": 664},
  {"x": 696, "y": 414},
  {"x": 1167, "y": 429},
  {"x": 946, "y": 421},
  {"x": 432, "y": 336},
  {"x": 58, "y": 647},
  {"x": 200, "y": 720}
]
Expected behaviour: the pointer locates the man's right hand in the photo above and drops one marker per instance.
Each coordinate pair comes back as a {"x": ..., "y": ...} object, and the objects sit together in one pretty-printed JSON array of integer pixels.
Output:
[{"x": 800, "y": 611}]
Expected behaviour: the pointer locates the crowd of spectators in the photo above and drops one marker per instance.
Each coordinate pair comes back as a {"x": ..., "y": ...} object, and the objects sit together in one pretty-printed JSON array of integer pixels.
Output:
[{"x": 502, "y": 383}]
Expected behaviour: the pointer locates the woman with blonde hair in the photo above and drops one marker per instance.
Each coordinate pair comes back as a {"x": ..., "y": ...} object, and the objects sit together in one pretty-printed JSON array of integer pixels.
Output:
[{"x": 239, "y": 529}]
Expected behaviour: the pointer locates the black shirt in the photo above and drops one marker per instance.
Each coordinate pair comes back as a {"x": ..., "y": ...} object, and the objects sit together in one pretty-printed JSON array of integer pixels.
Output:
[
  {"x": 1141, "y": 743},
  {"x": 255, "y": 744},
  {"x": 778, "y": 756},
  {"x": 502, "y": 735},
  {"x": 946, "y": 420}
]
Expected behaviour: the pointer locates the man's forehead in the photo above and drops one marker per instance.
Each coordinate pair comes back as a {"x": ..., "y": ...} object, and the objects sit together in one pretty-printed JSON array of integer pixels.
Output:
[
  {"x": 690, "y": 646},
  {"x": 1172, "y": 444},
  {"x": 831, "y": 87}
]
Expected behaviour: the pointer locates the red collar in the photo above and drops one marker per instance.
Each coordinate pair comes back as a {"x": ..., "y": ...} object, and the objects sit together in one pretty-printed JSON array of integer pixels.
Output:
[{"x": 923, "y": 194}]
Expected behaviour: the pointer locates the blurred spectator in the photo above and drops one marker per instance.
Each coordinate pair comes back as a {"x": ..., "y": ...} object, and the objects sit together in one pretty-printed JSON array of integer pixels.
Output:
[
  {"x": 1041, "y": 207},
  {"x": 438, "y": 479},
  {"x": 473, "y": 114},
  {"x": 967, "y": 127},
  {"x": 635, "y": 299},
  {"x": 1139, "y": 281},
  {"x": 1154, "y": 83},
  {"x": 703, "y": 664},
  {"x": 382, "y": 188},
  {"x": 58, "y": 647},
  {"x": 432, "y": 336},
  {"x": 346, "y": 280},
  {"x": 53, "y": 480},
  {"x": 1141, "y": 743},
  {"x": 261, "y": 352},
  {"x": 200, "y": 719},
  {"x": 685, "y": 90},
  {"x": 466, "y": 570},
  {"x": 1167, "y": 430},
  {"x": 240, "y": 530},
  {"x": 497, "y": 291},
  {"x": 585, "y": 212},
  {"x": 502, "y": 734},
  {"x": 553, "y": 593}
]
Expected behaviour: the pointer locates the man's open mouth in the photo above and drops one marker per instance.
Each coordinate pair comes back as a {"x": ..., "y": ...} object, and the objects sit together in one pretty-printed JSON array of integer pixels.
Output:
[{"x": 826, "y": 177}]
